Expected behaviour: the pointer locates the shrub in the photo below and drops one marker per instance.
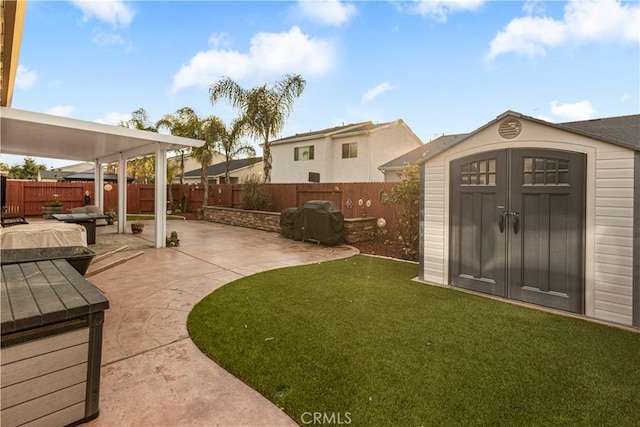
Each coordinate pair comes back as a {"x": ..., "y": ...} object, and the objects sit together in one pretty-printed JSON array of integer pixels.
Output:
[
  {"x": 405, "y": 196},
  {"x": 255, "y": 195}
]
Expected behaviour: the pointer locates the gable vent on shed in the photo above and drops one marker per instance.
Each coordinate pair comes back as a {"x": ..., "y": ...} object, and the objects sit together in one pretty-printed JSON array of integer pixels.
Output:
[{"x": 509, "y": 129}]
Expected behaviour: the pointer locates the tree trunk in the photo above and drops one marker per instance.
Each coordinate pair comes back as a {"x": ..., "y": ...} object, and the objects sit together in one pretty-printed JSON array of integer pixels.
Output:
[
  {"x": 205, "y": 183},
  {"x": 181, "y": 167},
  {"x": 226, "y": 170},
  {"x": 266, "y": 151}
]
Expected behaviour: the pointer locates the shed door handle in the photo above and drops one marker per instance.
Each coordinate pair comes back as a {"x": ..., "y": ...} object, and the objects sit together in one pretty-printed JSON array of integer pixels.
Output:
[
  {"x": 501, "y": 222},
  {"x": 516, "y": 222}
]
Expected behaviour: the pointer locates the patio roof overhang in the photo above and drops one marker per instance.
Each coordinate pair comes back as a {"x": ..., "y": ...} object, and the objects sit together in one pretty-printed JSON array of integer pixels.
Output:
[
  {"x": 41, "y": 135},
  {"x": 27, "y": 133}
]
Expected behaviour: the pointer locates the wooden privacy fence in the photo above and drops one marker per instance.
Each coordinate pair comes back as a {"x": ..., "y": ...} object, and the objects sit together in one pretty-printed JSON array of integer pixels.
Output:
[
  {"x": 355, "y": 200},
  {"x": 27, "y": 197}
]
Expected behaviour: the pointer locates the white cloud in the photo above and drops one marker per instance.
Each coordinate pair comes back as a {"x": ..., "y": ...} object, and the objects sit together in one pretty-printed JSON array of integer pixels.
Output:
[
  {"x": 528, "y": 35},
  {"x": 270, "y": 54},
  {"x": 376, "y": 91},
  {"x": 625, "y": 97},
  {"x": 545, "y": 118},
  {"x": 327, "y": 12},
  {"x": 114, "y": 12},
  {"x": 25, "y": 78},
  {"x": 113, "y": 118},
  {"x": 533, "y": 7},
  {"x": 102, "y": 38},
  {"x": 440, "y": 9},
  {"x": 582, "y": 110},
  {"x": 61, "y": 110},
  {"x": 220, "y": 40},
  {"x": 583, "y": 21}
]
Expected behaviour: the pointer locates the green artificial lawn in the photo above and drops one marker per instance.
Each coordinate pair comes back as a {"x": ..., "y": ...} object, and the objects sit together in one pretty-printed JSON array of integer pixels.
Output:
[{"x": 356, "y": 340}]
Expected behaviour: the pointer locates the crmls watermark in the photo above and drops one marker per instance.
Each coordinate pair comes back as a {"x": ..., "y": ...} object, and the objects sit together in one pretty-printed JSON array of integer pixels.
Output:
[{"x": 326, "y": 418}]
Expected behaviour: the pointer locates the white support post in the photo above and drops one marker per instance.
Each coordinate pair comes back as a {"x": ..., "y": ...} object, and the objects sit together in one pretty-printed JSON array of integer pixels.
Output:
[
  {"x": 161, "y": 197},
  {"x": 98, "y": 185},
  {"x": 122, "y": 194}
]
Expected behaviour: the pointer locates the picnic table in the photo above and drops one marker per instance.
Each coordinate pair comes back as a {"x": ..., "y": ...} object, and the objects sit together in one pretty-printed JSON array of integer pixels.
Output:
[{"x": 88, "y": 220}]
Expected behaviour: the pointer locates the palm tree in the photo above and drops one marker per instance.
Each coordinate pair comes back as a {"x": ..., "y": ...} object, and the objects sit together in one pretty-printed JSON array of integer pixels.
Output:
[
  {"x": 141, "y": 169},
  {"x": 212, "y": 131},
  {"x": 184, "y": 122},
  {"x": 233, "y": 147},
  {"x": 265, "y": 108},
  {"x": 139, "y": 120}
]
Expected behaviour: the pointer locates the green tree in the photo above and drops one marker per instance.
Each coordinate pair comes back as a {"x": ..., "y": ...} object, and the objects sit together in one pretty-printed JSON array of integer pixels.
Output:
[
  {"x": 254, "y": 194},
  {"x": 212, "y": 131},
  {"x": 28, "y": 170},
  {"x": 186, "y": 123},
  {"x": 139, "y": 120},
  {"x": 405, "y": 197},
  {"x": 142, "y": 170},
  {"x": 232, "y": 145},
  {"x": 266, "y": 108}
]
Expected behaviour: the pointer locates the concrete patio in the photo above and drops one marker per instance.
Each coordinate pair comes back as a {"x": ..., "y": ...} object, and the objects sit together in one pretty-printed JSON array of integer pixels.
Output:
[{"x": 152, "y": 374}]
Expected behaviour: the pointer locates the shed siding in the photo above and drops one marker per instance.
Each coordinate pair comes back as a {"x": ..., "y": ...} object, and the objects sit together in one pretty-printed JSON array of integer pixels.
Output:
[
  {"x": 614, "y": 234},
  {"x": 609, "y": 210},
  {"x": 434, "y": 258}
]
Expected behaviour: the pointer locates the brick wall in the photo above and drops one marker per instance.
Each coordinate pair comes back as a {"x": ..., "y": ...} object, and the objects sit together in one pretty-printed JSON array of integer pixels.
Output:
[{"x": 356, "y": 229}]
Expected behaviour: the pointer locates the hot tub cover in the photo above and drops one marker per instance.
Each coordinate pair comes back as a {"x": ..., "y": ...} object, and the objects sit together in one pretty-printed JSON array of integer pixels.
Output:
[{"x": 42, "y": 235}]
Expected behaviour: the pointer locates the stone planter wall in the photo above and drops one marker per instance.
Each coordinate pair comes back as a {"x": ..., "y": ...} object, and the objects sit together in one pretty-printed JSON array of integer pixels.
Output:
[
  {"x": 356, "y": 229},
  {"x": 359, "y": 229},
  {"x": 260, "y": 220}
]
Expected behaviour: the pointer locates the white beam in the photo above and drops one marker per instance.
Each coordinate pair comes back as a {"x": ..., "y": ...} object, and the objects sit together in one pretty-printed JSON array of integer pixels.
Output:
[
  {"x": 161, "y": 197},
  {"x": 98, "y": 185},
  {"x": 135, "y": 152},
  {"x": 122, "y": 194}
]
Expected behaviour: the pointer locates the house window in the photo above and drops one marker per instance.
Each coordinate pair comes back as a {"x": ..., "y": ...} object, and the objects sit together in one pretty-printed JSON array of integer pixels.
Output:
[
  {"x": 303, "y": 153},
  {"x": 350, "y": 150}
]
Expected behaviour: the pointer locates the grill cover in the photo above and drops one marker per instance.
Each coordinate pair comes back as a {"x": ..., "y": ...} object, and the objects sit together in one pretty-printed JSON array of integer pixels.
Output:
[
  {"x": 319, "y": 220},
  {"x": 287, "y": 220}
]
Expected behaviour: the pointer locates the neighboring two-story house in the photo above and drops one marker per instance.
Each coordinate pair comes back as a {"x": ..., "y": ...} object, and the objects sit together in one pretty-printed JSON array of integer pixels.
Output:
[
  {"x": 239, "y": 169},
  {"x": 350, "y": 153}
]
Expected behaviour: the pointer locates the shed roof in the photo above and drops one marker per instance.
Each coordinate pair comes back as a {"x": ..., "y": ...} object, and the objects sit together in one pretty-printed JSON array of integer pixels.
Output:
[
  {"x": 421, "y": 152},
  {"x": 623, "y": 131}
]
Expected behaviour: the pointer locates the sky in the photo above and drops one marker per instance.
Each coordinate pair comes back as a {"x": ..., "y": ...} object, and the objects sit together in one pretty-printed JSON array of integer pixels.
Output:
[{"x": 444, "y": 66}]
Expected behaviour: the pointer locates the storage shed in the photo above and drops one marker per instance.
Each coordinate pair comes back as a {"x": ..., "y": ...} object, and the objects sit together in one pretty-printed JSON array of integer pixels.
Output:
[{"x": 538, "y": 212}]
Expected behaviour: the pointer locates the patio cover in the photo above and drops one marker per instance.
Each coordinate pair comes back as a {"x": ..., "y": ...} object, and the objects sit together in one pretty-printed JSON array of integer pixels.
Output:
[{"x": 27, "y": 133}]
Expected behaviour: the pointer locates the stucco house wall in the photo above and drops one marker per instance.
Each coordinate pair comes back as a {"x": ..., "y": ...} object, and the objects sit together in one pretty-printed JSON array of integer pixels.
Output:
[
  {"x": 376, "y": 144},
  {"x": 611, "y": 184}
]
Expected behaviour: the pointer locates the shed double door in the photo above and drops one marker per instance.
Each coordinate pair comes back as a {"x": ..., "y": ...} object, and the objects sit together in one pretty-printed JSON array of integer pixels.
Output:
[{"x": 517, "y": 226}]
